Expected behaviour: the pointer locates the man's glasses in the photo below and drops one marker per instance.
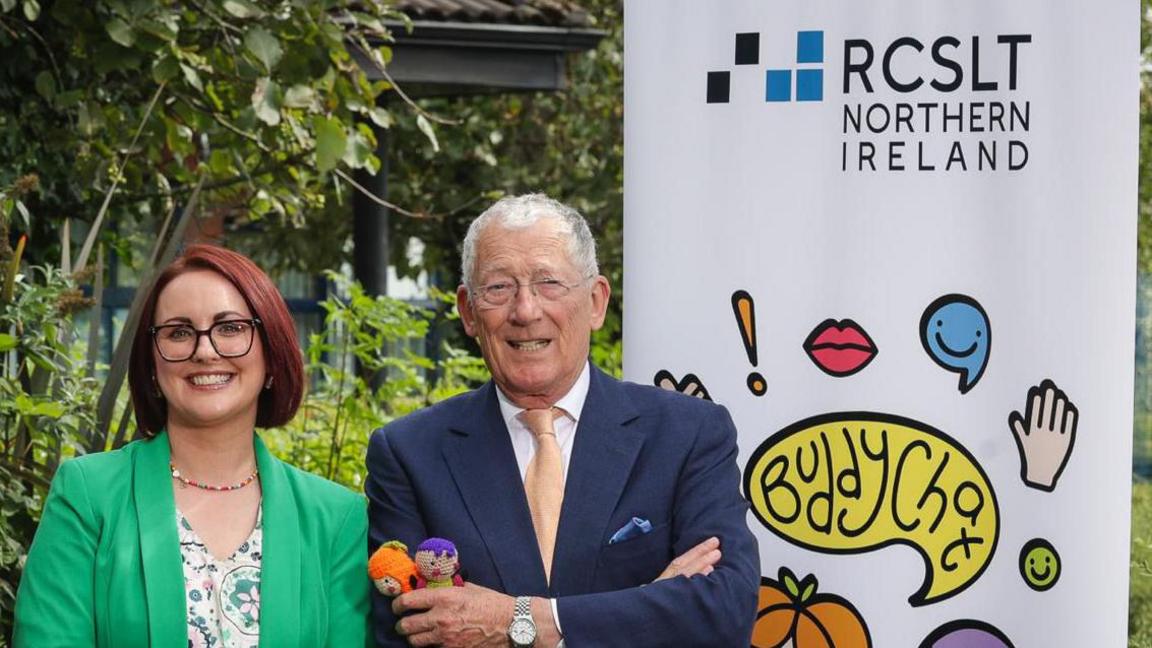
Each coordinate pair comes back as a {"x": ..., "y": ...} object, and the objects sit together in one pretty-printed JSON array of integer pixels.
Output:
[
  {"x": 501, "y": 293},
  {"x": 230, "y": 339}
]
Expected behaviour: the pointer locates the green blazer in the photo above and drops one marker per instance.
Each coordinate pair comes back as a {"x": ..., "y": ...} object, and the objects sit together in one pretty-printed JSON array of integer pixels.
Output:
[{"x": 105, "y": 567}]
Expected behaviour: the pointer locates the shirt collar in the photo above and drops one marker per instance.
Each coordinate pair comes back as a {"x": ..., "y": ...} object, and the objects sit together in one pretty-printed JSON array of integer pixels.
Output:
[{"x": 572, "y": 402}]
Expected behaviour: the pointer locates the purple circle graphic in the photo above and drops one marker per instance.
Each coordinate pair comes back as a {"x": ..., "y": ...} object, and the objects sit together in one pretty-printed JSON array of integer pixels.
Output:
[
  {"x": 970, "y": 638},
  {"x": 966, "y": 633}
]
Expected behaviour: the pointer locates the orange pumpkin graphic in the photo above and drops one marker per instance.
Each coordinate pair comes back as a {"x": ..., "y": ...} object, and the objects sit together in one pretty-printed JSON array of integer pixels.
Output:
[{"x": 791, "y": 614}]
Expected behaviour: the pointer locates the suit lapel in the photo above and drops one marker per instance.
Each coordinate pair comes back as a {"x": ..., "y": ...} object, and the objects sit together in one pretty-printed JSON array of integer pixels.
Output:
[
  {"x": 280, "y": 599},
  {"x": 159, "y": 543},
  {"x": 603, "y": 454},
  {"x": 479, "y": 455}
]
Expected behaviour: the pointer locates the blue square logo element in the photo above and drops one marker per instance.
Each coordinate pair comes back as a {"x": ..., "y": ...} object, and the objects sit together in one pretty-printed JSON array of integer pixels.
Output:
[
  {"x": 810, "y": 47},
  {"x": 778, "y": 85},
  {"x": 809, "y": 85}
]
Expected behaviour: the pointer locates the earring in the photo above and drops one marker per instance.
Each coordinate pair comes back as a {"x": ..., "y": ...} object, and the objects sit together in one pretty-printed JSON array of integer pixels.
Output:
[
  {"x": 156, "y": 388},
  {"x": 268, "y": 383}
]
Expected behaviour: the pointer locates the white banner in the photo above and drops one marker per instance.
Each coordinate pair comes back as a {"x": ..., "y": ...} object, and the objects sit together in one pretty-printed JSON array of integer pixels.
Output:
[{"x": 897, "y": 240}]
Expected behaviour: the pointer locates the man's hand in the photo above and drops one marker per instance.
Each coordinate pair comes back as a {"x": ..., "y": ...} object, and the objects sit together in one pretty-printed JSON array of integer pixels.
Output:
[
  {"x": 455, "y": 616},
  {"x": 1044, "y": 435},
  {"x": 466, "y": 616},
  {"x": 700, "y": 559}
]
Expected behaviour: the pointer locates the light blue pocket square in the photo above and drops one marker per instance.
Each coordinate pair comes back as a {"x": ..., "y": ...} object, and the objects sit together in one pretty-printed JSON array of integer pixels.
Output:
[{"x": 635, "y": 527}]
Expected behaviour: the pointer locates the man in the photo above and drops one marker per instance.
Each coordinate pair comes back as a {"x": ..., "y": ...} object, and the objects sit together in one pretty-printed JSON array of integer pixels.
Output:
[{"x": 565, "y": 491}]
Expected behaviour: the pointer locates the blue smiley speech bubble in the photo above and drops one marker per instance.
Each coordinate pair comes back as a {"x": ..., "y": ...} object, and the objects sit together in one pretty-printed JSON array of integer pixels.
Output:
[{"x": 957, "y": 335}]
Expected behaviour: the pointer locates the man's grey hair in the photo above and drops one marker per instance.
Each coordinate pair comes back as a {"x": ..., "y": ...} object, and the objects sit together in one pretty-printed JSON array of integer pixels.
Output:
[{"x": 518, "y": 212}]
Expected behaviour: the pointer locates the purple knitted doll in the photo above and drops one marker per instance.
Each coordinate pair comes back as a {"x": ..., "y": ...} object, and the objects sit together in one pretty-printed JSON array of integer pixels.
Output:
[{"x": 438, "y": 564}]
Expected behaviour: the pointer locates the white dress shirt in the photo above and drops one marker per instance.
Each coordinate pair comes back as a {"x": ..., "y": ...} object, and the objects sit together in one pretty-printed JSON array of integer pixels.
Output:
[{"x": 524, "y": 442}]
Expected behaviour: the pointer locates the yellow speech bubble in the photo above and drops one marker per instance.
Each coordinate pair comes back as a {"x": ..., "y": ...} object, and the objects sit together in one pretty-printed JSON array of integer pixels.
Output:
[{"x": 852, "y": 482}]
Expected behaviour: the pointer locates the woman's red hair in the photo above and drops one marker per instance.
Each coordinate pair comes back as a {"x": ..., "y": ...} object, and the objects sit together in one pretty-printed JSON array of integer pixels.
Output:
[{"x": 278, "y": 404}]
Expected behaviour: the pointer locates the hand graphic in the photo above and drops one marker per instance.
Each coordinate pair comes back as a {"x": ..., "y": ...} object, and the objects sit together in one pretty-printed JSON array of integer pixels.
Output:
[
  {"x": 1046, "y": 443},
  {"x": 689, "y": 384}
]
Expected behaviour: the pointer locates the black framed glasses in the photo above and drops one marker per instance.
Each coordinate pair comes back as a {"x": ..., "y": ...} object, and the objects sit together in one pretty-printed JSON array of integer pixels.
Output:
[
  {"x": 502, "y": 292},
  {"x": 230, "y": 338}
]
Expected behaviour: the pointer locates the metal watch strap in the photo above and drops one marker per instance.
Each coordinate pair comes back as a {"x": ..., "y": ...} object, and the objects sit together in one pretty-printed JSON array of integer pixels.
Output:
[{"x": 522, "y": 630}]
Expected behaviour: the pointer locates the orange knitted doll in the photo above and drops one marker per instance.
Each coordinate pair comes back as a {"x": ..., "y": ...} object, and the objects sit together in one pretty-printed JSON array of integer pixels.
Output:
[{"x": 391, "y": 569}]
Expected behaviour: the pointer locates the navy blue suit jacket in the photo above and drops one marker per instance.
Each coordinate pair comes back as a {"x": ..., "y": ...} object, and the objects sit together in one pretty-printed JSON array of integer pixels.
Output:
[{"x": 449, "y": 471}]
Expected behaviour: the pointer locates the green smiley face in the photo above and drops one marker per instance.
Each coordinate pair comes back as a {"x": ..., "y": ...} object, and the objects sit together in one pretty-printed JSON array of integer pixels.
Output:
[{"x": 1039, "y": 564}]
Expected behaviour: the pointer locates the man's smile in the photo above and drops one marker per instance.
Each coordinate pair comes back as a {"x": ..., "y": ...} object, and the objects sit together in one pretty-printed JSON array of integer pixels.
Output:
[{"x": 529, "y": 345}]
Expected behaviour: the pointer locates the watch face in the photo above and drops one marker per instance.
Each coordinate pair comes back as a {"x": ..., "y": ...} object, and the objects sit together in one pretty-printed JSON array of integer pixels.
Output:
[{"x": 522, "y": 632}]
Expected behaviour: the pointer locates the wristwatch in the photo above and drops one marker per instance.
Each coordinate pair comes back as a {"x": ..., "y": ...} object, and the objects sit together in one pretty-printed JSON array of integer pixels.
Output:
[{"x": 522, "y": 630}]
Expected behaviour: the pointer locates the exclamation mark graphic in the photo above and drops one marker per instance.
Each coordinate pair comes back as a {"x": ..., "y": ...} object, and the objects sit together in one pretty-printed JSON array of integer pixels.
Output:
[{"x": 745, "y": 312}]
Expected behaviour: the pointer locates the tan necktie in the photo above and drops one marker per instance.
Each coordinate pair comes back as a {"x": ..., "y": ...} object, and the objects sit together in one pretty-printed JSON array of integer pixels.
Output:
[{"x": 544, "y": 480}]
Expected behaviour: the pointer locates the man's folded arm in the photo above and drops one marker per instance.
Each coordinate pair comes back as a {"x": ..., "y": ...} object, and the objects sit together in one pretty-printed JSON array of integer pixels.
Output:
[{"x": 714, "y": 610}]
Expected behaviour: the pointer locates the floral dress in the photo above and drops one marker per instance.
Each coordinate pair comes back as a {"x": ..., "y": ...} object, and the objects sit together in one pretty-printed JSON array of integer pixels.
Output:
[{"x": 223, "y": 595}]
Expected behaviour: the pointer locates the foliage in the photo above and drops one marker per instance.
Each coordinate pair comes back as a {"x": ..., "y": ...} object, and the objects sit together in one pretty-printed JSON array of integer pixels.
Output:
[
  {"x": 568, "y": 144},
  {"x": 368, "y": 368},
  {"x": 47, "y": 400},
  {"x": 1143, "y": 397},
  {"x": 1140, "y": 586},
  {"x": 1145, "y": 182},
  {"x": 263, "y": 99}
]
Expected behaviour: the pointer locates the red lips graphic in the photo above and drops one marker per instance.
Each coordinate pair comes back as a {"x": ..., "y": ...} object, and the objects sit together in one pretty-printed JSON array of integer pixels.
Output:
[{"x": 839, "y": 348}]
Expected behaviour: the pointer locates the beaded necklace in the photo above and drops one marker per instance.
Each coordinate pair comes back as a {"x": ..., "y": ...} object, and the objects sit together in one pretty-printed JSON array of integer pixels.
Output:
[{"x": 209, "y": 487}]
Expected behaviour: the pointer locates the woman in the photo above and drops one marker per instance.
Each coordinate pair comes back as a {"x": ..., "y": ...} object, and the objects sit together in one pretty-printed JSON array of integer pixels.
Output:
[{"x": 196, "y": 535}]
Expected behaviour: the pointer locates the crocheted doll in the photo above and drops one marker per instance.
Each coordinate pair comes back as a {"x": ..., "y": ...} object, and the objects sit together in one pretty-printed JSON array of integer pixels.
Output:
[
  {"x": 391, "y": 569},
  {"x": 437, "y": 564}
]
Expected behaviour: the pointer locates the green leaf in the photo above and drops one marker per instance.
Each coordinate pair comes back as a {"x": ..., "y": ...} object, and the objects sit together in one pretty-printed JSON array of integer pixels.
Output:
[
  {"x": 369, "y": 22},
  {"x": 300, "y": 96},
  {"x": 163, "y": 29},
  {"x": 69, "y": 98},
  {"x": 266, "y": 100},
  {"x": 121, "y": 32},
  {"x": 220, "y": 162},
  {"x": 358, "y": 152},
  {"x": 89, "y": 118},
  {"x": 242, "y": 9},
  {"x": 330, "y": 142},
  {"x": 214, "y": 96},
  {"x": 8, "y": 342},
  {"x": 192, "y": 77},
  {"x": 165, "y": 69},
  {"x": 7, "y": 5},
  {"x": 380, "y": 117},
  {"x": 49, "y": 409},
  {"x": 789, "y": 581},
  {"x": 808, "y": 591},
  {"x": 425, "y": 127},
  {"x": 31, "y": 10},
  {"x": 46, "y": 85},
  {"x": 264, "y": 46}
]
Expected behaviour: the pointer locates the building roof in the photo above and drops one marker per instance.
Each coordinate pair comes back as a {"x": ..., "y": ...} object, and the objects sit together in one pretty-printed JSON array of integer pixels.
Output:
[
  {"x": 544, "y": 13},
  {"x": 459, "y": 47}
]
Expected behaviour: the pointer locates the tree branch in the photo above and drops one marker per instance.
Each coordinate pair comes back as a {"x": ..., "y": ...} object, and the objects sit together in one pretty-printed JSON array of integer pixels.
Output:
[
  {"x": 380, "y": 201},
  {"x": 82, "y": 260},
  {"x": 395, "y": 86}
]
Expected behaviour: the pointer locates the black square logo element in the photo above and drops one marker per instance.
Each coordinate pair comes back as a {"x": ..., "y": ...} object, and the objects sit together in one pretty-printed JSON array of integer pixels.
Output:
[
  {"x": 718, "y": 83},
  {"x": 748, "y": 49}
]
